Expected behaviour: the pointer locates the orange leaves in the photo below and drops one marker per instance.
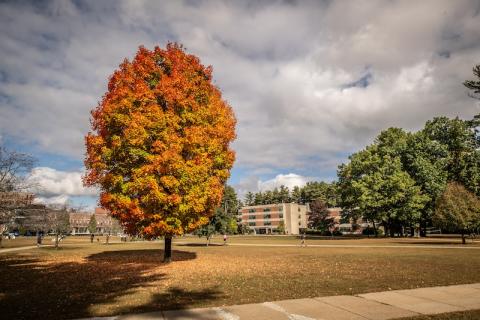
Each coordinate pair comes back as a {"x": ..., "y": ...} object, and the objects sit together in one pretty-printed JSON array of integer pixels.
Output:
[{"x": 159, "y": 145}]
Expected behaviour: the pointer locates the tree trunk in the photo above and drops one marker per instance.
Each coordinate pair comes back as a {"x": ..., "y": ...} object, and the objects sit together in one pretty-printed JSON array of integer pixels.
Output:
[
  {"x": 167, "y": 255},
  {"x": 1, "y": 239},
  {"x": 56, "y": 241},
  {"x": 375, "y": 232},
  {"x": 423, "y": 229},
  {"x": 463, "y": 238},
  {"x": 368, "y": 227}
]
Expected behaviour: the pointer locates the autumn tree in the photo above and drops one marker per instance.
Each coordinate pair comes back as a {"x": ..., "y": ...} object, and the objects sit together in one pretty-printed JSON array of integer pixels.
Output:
[
  {"x": 159, "y": 146},
  {"x": 457, "y": 210},
  {"x": 319, "y": 218}
]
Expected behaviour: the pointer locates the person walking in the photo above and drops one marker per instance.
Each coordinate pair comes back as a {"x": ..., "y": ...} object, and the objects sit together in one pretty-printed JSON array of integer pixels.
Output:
[
  {"x": 224, "y": 239},
  {"x": 303, "y": 243},
  {"x": 92, "y": 236},
  {"x": 39, "y": 239}
]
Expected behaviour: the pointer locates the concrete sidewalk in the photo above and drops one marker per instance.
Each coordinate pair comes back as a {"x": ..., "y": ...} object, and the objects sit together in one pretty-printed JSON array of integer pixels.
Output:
[{"x": 373, "y": 306}]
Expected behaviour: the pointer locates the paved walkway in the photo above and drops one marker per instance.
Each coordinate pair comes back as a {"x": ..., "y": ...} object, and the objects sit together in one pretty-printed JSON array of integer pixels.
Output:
[
  {"x": 5, "y": 250},
  {"x": 370, "y": 306},
  {"x": 399, "y": 246}
]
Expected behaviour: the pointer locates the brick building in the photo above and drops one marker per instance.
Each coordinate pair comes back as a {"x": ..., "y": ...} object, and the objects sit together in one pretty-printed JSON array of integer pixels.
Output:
[{"x": 105, "y": 224}]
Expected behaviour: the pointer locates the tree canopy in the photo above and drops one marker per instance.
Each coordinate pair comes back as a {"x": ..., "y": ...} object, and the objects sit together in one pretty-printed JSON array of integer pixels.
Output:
[
  {"x": 159, "y": 145},
  {"x": 457, "y": 210}
]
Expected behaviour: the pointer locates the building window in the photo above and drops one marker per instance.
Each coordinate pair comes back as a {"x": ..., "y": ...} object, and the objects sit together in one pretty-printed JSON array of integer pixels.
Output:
[
  {"x": 298, "y": 209},
  {"x": 252, "y": 224},
  {"x": 267, "y": 223},
  {"x": 280, "y": 215},
  {"x": 252, "y": 217},
  {"x": 280, "y": 208},
  {"x": 266, "y": 210},
  {"x": 266, "y": 216},
  {"x": 251, "y": 210},
  {"x": 299, "y": 216}
]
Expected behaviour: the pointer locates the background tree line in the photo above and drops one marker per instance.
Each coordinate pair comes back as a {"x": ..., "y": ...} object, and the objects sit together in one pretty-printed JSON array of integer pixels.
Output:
[
  {"x": 313, "y": 190},
  {"x": 407, "y": 179}
]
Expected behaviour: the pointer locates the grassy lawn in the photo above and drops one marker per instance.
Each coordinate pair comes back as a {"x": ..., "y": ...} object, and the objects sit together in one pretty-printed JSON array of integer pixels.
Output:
[
  {"x": 83, "y": 279},
  {"x": 463, "y": 315}
]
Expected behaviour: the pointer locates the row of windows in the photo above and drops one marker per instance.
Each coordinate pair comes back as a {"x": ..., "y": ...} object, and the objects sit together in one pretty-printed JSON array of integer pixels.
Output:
[
  {"x": 266, "y": 223},
  {"x": 266, "y": 209},
  {"x": 265, "y": 216}
]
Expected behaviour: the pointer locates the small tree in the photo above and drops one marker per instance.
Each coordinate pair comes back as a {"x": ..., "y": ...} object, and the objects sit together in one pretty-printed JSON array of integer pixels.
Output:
[
  {"x": 206, "y": 231},
  {"x": 457, "y": 210},
  {"x": 281, "y": 227},
  {"x": 92, "y": 224},
  {"x": 319, "y": 218},
  {"x": 232, "y": 227},
  {"x": 58, "y": 222}
]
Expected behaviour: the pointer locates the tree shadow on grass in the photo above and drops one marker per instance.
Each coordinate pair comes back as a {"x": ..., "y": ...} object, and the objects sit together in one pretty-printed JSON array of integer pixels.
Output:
[
  {"x": 193, "y": 244},
  {"x": 31, "y": 288},
  {"x": 452, "y": 242}
]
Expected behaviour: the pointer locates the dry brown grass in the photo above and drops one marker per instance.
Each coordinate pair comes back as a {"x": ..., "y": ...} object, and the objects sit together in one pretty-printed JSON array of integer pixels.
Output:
[
  {"x": 96, "y": 280},
  {"x": 463, "y": 315}
]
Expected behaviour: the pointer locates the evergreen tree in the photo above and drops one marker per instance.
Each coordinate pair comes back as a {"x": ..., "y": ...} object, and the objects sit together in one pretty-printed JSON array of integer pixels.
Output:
[
  {"x": 92, "y": 224},
  {"x": 474, "y": 85}
]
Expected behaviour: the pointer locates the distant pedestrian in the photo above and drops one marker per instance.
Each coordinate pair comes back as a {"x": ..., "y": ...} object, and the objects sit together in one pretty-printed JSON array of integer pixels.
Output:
[
  {"x": 303, "y": 243},
  {"x": 92, "y": 236},
  {"x": 39, "y": 239},
  {"x": 225, "y": 239}
]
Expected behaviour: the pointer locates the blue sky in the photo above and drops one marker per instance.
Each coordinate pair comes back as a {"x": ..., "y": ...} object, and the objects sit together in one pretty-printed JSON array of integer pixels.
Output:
[{"x": 310, "y": 81}]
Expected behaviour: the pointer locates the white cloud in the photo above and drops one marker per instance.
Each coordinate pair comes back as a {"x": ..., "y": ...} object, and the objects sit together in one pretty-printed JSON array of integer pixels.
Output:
[
  {"x": 255, "y": 184},
  {"x": 283, "y": 66},
  {"x": 49, "y": 182},
  {"x": 56, "y": 200},
  {"x": 289, "y": 180}
]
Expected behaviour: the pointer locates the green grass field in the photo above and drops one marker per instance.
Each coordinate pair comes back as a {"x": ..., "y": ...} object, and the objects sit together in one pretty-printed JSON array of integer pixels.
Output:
[{"x": 83, "y": 279}]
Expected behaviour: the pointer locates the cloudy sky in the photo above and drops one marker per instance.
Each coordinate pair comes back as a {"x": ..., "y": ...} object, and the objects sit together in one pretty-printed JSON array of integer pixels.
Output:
[{"x": 310, "y": 82}]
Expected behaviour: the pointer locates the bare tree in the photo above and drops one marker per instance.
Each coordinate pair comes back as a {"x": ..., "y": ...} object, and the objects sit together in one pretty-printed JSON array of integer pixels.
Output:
[
  {"x": 16, "y": 209},
  {"x": 14, "y": 167},
  {"x": 58, "y": 222}
]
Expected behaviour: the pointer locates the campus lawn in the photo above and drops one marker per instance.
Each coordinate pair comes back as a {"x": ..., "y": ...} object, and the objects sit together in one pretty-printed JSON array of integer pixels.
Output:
[
  {"x": 463, "y": 315},
  {"x": 83, "y": 279}
]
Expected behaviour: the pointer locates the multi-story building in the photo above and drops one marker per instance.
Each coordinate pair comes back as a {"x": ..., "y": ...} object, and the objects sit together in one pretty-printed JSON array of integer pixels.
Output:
[
  {"x": 79, "y": 222},
  {"x": 265, "y": 219}
]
